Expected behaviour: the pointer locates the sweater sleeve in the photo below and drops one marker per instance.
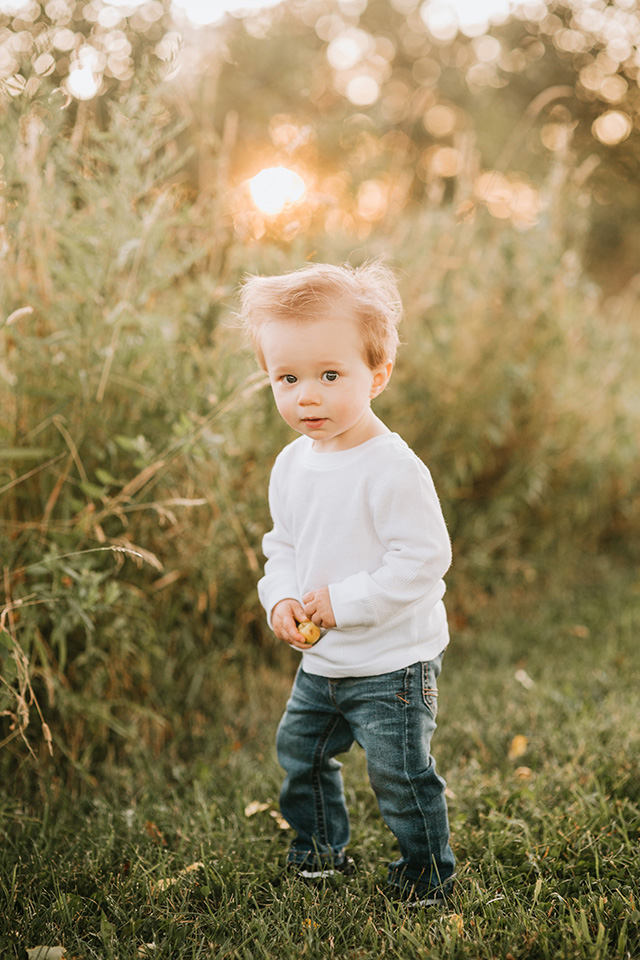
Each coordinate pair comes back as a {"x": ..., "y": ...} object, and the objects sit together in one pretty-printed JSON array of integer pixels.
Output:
[
  {"x": 409, "y": 523},
  {"x": 280, "y": 579}
]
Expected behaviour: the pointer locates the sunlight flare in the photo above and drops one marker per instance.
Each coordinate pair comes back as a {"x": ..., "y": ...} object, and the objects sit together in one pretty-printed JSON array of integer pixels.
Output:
[
  {"x": 274, "y": 188},
  {"x": 85, "y": 75}
]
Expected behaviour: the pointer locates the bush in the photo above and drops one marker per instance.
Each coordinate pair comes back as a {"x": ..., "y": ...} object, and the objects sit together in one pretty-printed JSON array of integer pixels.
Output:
[
  {"x": 137, "y": 436},
  {"x": 122, "y": 524},
  {"x": 517, "y": 387}
]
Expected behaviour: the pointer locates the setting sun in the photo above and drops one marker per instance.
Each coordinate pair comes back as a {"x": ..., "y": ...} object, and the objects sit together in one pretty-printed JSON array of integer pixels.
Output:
[{"x": 274, "y": 188}]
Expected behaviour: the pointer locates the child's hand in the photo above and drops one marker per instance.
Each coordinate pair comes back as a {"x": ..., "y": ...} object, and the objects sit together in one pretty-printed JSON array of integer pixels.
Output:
[
  {"x": 285, "y": 617},
  {"x": 318, "y": 609}
]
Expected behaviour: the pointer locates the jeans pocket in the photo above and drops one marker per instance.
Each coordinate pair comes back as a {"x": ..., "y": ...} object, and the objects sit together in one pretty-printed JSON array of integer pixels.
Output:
[{"x": 430, "y": 687}]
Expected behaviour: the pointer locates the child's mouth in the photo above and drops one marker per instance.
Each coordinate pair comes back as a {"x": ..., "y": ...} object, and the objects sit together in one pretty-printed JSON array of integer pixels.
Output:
[{"x": 314, "y": 421}]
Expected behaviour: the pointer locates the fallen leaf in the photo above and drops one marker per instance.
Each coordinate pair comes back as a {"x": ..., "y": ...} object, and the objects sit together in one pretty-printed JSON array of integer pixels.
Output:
[
  {"x": 46, "y": 953},
  {"x": 155, "y": 833},
  {"x": 146, "y": 949},
  {"x": 524, "y": 773},
  {"x": 255, "y": 807},
  {"x": 518, "y": 747},
  {"x": 580, "y": 631},
  {"x": 282, "y": 823},
  {"x": 455, "y": 924}
]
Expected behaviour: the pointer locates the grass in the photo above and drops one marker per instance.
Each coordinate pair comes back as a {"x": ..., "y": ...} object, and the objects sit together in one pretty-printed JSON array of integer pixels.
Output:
[{"x": 545, "y": 826}]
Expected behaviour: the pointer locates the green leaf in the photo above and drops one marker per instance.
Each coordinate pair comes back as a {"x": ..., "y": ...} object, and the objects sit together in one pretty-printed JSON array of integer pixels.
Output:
[
  {"x": 107, "y": 930},
  {"x": 93, "y": 490},
  {"x": 6, "y": 643},
  {"x": 107, "y": 478}
]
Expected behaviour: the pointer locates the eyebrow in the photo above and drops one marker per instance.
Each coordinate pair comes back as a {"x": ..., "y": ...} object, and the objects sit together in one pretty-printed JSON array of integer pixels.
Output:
[{"x": 324, "y": 364}]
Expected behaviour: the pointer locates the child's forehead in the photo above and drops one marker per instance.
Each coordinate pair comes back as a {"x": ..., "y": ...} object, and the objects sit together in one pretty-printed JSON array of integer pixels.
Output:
[
  {"x": 328, "y": 307},
  {"x": 343, "y": 327},
  {"x": 328, "y": 336}
]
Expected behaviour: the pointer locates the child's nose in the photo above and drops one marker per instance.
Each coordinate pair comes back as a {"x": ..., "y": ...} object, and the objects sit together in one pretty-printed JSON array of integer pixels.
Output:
[{"x": 308, "y": 393}]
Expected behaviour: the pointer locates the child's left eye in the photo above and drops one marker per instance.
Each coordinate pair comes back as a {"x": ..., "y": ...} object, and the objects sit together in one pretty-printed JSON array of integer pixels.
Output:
[{"x": 330, "y": 376}]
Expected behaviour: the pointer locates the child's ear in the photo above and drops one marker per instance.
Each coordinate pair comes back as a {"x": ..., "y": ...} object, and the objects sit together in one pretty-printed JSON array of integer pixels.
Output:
[{"x": 380, "y": 379}]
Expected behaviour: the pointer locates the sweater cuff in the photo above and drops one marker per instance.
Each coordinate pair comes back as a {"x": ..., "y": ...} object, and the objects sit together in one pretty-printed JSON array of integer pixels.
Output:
[{"x": 349, "y": 601}]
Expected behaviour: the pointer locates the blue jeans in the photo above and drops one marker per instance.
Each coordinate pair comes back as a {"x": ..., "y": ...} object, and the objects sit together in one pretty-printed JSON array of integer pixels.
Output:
[{"x": 392, "y": 717}]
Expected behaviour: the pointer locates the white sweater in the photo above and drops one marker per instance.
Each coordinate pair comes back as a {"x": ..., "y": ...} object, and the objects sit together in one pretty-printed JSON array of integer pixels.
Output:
[{"x": 366, "y": 522}]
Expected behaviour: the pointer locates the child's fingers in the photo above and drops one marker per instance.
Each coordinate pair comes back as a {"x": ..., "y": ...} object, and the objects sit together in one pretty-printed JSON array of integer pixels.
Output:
[
  {"x": 291, "y": 636},
  {"x": 311, "y": 603},
  {"x": 295, "y": 639},
  {"x": 315, "y": 612},
  {"x": 297, "y": 611},
  {"x": 285, "y": 623},
  {"x": 321, "y": 613},
  {"x": 290, "y": 628},
  {"x": 286, "y": 611}
]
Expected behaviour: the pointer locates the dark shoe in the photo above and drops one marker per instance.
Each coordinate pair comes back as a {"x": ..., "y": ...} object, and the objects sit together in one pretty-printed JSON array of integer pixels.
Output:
[{"x": 410, "y": 896}]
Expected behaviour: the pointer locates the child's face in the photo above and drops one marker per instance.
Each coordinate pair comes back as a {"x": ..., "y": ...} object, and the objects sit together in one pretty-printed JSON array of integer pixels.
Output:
[{"x": 322, "y": 385}]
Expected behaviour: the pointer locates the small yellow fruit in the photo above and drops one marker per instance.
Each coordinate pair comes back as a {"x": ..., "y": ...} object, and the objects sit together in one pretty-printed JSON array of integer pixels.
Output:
[{"x": 309, "y": 631}]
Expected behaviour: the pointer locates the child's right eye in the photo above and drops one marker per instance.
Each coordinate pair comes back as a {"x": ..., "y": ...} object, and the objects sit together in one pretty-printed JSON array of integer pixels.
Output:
[{"x": 289, "y": 378}]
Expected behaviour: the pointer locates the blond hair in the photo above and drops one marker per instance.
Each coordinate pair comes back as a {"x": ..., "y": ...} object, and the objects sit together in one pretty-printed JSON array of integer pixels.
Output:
[{"x": 309, "y": 294}]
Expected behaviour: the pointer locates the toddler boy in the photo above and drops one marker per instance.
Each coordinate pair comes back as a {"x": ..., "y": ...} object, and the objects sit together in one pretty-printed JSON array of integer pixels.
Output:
[{"x": 358, "y": 546}]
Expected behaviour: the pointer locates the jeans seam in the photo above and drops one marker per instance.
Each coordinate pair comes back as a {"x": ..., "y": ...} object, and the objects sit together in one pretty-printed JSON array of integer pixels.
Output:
[
  {"x": 407, "y": 774},
  {"x": 315, "y": 780}
]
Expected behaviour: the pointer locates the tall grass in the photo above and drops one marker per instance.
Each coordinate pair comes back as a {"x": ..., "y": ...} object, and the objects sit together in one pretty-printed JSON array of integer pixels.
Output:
[
  {"x": 518, "y": 388},
  {"x": 121, "y": 472},
  {"x": 136, "y": 436}
]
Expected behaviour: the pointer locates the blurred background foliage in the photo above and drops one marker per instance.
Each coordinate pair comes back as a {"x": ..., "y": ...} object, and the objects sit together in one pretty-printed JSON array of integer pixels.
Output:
[{"x": 491, "y": 155}]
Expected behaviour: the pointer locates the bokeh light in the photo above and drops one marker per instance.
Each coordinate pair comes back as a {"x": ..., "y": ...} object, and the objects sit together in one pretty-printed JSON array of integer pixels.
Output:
[
  {"x": 362, "y": 90},
  {"x": 275, "y": 188},
  {"x": 372, "y": 200},
  {"x": 82, "y": 83},
  {"x": 439, "y": 120},
  {"x": 13, "y": 6},
  {"x": 556, "y": 136},
  {"x": 348, "y": 49},
  {"x": 89, "y": 47},
  {"x": 508, "y": 198},
  {"x": 85, "y": 75},
  {"x": 612, "y": 127},
  {"x": 445, "y": 18},
  {"x": 205, "y": 12},
  {"x": 446, "y": 162}
]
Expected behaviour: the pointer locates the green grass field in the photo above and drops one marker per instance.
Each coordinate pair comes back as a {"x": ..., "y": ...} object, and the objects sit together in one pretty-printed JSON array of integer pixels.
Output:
[{"x": 538, "y": 739}]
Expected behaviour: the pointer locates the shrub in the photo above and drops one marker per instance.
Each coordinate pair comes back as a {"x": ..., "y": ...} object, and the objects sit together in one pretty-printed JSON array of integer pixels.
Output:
[
  {"x": 122, "y": 521},
  {"x": 137, "y": 436},
  {"x": 517, "y": 386}
]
